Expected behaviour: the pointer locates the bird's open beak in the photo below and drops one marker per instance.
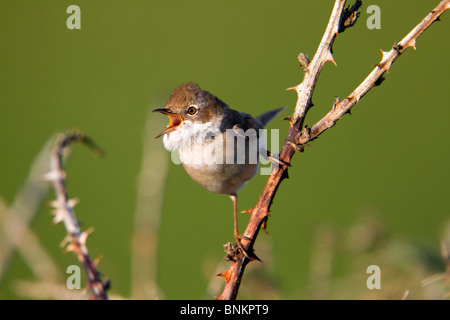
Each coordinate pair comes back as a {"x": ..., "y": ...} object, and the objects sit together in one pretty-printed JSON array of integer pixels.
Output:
[{"x": 174, "y": 121}]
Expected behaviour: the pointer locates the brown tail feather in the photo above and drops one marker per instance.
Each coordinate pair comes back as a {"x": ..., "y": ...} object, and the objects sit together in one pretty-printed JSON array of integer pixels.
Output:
[{"x": 265, "y": 118}]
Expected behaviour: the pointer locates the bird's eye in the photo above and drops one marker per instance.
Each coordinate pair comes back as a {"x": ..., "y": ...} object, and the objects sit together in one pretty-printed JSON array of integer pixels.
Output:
[{"x": 192, "y": 110}]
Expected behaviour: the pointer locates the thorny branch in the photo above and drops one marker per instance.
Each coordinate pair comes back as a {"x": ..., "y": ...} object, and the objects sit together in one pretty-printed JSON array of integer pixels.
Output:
[
  {"x": 373, "y": 79},
  {"x": 298, "y": 135},
  {"x": 75, "y": 240}
]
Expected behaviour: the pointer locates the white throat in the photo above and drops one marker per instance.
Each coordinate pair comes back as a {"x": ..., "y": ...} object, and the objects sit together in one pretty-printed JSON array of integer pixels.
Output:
[{"x": 189, "y": 133}]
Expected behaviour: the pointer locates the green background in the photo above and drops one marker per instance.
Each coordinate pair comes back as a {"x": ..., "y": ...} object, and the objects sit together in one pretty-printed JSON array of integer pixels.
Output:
[{"x": 387, "y": 161}]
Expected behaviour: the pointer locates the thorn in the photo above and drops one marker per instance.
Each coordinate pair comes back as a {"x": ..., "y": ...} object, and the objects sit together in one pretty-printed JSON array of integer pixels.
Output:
[
  {"x": 411, "y": 43},
  {"x": 97, "y": 261},
  {"x": 330, "y": 58},
  {"x": 58, "y": 215},
  {"x": 291, "y": 120},
  {"x": 264, "y": 226},
  {"x": 226, "y": 275},
  {"x": 54, "y": 204},
  {"x": 84, "y": 235},
  {"x": 383, "y": 63},
  {"x": 285, "y": 174},
  {"x": 292, "y": 88},
  {"x": 64, "y": 242},
  {"x": 73, "y": 202},
  {"x": 383, "y": 54},
  {"x": 254, "y": 257},
  {"x": 249, "y": 211},
  {"x": 70, "y": 247}
]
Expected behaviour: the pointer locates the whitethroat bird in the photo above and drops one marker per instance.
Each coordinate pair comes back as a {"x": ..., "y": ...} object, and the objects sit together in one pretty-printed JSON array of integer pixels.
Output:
[{"x": 218, "y": 147}]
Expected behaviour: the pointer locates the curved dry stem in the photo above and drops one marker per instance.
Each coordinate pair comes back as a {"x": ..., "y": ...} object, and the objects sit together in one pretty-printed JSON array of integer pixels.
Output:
[{"x": 75, "y": 240}]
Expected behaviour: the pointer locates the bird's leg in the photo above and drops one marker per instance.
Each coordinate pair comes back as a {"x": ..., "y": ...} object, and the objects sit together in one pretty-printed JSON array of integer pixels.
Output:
[{"x": 238, "y": 237}]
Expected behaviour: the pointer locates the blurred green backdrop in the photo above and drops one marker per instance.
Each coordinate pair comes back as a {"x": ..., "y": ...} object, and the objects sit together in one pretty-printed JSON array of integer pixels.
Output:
[{"x": 387, "y": 161}]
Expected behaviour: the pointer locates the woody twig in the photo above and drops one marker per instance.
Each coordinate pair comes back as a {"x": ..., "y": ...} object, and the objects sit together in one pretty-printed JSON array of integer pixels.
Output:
[
  {"x": 75, "y": 240},
  {"x": 373, "y": 79},
  {"x": 298, "y": 135}
]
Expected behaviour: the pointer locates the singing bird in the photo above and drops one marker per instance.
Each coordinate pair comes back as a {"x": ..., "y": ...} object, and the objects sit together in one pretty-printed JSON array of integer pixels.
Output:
[{"x": 218, "y": 147}]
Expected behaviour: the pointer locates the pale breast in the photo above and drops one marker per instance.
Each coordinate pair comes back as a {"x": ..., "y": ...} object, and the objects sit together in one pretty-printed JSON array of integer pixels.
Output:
[
  {"x": 222, "y": 178},
  {"x": 221, "y": 162}
]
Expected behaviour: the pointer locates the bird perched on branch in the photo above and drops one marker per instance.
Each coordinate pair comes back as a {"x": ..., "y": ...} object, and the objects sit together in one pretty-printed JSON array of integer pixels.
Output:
[{"x": 218, "y": 147}]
